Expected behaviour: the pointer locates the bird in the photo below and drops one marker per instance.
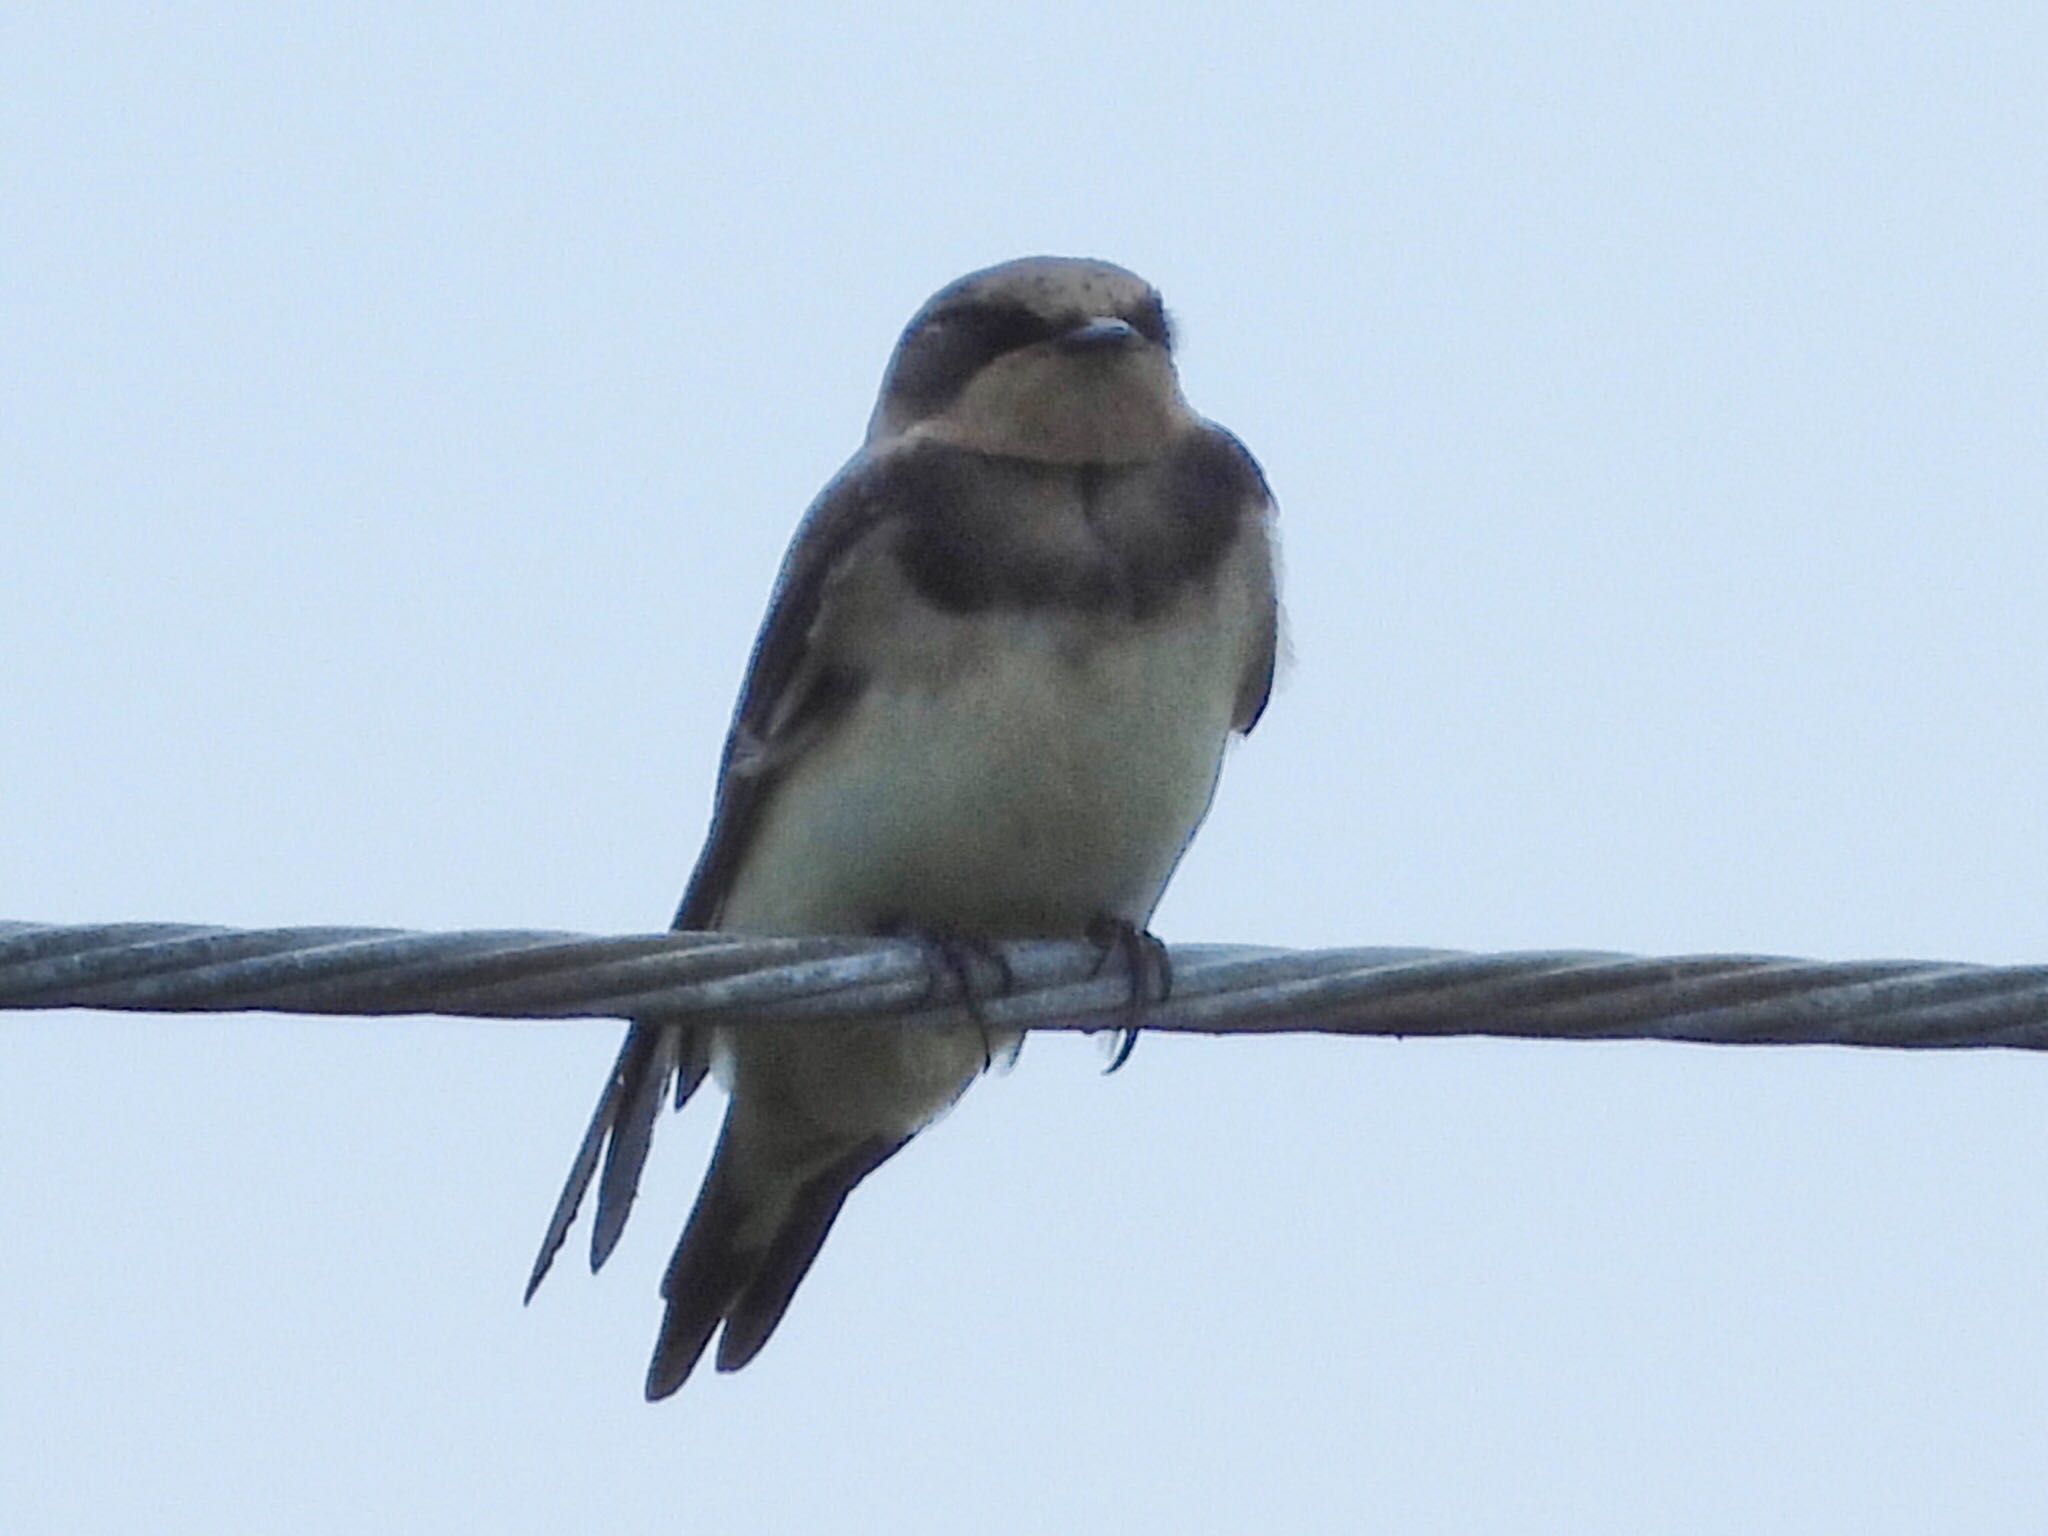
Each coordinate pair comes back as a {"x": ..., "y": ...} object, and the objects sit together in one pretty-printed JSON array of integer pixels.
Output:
[{"x": 990, "y": 700}]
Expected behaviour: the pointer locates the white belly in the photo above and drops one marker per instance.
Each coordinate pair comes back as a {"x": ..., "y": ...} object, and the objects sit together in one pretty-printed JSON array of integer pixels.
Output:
[
  {"x": 1002, "y": 775},
  {"x": 1039, "y": 784}
]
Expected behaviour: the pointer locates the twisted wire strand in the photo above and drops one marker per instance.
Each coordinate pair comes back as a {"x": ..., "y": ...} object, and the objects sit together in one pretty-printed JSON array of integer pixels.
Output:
[{"x": 1217, "y": 988}]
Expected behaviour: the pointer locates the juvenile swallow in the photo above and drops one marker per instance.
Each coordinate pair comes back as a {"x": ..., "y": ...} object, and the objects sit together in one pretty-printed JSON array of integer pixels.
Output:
[{"x": 990, "y": 700}]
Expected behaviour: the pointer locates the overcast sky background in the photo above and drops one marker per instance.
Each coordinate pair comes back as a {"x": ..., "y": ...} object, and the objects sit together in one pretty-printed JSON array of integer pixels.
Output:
[{"x": 402, "y": 414}]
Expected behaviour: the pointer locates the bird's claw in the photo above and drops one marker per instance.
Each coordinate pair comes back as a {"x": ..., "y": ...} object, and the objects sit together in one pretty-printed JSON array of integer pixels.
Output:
[
  {"x": 1149, "y": 965},
  {"x": 950, "y": 957}
]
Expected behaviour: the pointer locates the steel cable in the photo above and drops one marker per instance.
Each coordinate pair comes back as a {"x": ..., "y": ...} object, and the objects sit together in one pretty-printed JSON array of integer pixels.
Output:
[{"x": 1217, "y": 989}]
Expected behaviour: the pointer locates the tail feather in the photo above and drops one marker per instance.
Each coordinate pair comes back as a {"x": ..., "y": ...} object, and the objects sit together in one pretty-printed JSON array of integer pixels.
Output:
[
  {"x": 707, "y": 1270},
  {"x": 759, "y": 1307},
  {"x": 624, "y": 1118},
  {"x": 740, "y": 1258},
  {"x": 632, "y": 1134}
]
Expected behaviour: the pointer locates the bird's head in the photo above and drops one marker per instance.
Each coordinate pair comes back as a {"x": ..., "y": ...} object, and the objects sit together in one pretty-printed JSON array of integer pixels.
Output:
[{"x": 1047, "y": 358}]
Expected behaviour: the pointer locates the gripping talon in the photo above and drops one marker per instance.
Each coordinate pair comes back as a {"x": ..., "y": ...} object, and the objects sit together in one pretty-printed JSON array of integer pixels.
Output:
[
  {"x": 949, "y": 957},
  {"x": 1150, "y": 966}
]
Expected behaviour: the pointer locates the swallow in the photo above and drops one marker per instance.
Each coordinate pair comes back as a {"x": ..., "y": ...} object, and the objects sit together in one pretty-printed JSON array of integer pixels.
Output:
[{"x": 1006, "y": 650}]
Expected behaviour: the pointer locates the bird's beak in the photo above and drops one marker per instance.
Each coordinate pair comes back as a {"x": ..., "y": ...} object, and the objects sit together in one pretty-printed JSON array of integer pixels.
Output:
[{"x": 1101, "y": 334}]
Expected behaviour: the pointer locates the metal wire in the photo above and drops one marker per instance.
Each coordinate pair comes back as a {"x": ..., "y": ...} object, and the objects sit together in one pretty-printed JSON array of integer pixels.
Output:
[{"x": 1217, "y": 989}]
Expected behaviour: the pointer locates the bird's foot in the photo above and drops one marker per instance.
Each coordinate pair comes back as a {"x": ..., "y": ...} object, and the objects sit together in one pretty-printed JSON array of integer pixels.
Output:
[
  {"x": 950, "y": 960},
  {"x": 1149, "y": 966}
]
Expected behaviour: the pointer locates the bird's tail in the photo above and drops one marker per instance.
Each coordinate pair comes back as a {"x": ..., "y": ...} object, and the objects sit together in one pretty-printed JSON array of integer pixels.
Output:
[
  {"x": 762, "y": 1215},
  {"x": 621, "y": 1130}
]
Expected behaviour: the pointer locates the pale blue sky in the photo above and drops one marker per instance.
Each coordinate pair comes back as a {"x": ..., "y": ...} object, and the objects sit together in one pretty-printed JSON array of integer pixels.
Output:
[{"x": 402, "y": 413}]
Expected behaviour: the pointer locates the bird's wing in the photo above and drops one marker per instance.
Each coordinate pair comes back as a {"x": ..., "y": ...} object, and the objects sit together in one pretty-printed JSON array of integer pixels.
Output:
[
  {"x": 1255, "y": 685},
  {"x": 1229, "y": 474},
  {"x": 791, "y": 695},
  {"x": 792, "y": 692}
]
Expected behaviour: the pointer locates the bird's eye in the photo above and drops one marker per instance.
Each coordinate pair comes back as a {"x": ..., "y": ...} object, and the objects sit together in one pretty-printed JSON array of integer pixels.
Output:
[
  {"x": 1151, "y": 321},
  {"x": 939, "y": 357},
  {"x": 997, "y": 329}
]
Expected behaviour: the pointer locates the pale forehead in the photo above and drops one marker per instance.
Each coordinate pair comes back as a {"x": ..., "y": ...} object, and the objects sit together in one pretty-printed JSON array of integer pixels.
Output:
[{"x": 1050, "y": 285}]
